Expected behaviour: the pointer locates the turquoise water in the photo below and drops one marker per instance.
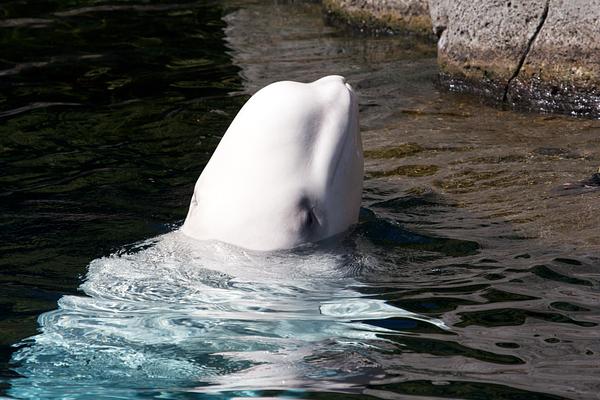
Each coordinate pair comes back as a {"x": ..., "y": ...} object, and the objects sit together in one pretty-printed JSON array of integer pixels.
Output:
[
  {"x": 176, "y": 317},
  {"x": 472, "y": 274}
]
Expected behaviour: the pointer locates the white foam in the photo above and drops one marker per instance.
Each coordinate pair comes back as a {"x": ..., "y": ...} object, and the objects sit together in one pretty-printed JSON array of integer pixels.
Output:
[{"x": 175, "y": 312}]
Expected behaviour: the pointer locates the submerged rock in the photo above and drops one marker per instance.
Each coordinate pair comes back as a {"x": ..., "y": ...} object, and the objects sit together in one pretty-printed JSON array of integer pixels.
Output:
[
  {"x": 382, "y": 16},
  {"x": 541, "y": 55},
  {"x": 580, "y": 187}
]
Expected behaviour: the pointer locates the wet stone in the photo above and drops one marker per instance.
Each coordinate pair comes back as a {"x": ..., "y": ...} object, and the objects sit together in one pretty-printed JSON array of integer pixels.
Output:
[{"x": 540, "y": 55}]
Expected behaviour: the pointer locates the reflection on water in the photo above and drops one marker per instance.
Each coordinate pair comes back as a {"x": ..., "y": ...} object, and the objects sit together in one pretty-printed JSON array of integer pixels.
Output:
[{"x": 473, "y": 273}]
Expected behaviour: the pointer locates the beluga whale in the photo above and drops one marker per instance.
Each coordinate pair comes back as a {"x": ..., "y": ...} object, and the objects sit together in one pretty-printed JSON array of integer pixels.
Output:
[{"x": 288, "y": 170}]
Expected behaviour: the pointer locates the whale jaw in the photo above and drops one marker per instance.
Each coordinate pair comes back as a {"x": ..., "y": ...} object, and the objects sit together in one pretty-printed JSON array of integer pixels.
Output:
[{"x": 288, "y": 171}]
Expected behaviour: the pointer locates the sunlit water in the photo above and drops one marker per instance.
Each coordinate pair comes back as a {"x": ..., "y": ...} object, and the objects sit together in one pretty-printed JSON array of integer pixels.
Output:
[
  {"x": 473, "y": 273},
  {"x": 173, "y": 314}
]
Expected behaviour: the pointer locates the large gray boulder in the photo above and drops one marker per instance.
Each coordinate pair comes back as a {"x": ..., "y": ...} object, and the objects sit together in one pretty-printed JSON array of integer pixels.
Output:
[
  {"x": 407, "y": 16},
  {"x": 562, "y": 68},
  {"x": 534, "y": 54}
]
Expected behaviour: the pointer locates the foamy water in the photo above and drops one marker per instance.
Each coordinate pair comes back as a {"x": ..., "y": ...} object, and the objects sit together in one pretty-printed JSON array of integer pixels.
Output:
[{"x": 173, "y": 311}]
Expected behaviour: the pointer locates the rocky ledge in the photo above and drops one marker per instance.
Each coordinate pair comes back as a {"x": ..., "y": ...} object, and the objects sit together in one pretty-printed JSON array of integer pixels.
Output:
[
  {"x": 541, "y": 55},
  {"x": 382, "y": 16}
]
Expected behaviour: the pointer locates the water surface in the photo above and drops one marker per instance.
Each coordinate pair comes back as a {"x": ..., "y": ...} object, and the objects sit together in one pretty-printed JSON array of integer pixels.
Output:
[{"x": 473, "y": 273}]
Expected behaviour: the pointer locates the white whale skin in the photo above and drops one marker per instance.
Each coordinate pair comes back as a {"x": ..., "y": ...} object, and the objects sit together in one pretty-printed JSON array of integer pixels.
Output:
[{"x": 288, "y": 171}]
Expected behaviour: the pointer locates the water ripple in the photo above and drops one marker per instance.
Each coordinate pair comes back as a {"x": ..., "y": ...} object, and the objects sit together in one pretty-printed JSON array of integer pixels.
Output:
[{"x": 181, "y": 310}]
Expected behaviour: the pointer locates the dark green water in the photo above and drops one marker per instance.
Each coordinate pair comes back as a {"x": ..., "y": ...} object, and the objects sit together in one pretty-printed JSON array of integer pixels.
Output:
[
  {"x": 109, "y": 110},
  {"x": 107, "y": 116}
]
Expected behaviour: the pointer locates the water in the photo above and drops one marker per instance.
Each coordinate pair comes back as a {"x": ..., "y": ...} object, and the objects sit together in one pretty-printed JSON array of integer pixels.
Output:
[{"x": 473, "y": 273}]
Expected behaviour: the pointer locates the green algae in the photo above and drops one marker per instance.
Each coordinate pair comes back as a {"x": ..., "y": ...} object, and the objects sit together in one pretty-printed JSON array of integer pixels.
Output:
[
  {"x": 411, "y": 171},
  {"x": 400, "y": 151}
]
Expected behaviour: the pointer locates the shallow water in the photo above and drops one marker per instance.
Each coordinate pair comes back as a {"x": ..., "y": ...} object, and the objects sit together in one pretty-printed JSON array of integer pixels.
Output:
[{"x": 473, "y": 273}]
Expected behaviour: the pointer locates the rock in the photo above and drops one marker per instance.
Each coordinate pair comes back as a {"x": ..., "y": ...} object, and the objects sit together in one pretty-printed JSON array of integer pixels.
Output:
[
  {"x": 533, "y": 54},
  {"x": 382, "y": 16},
  {"x": 562, "y": 69},
  {"x": 481, "y": 42}
]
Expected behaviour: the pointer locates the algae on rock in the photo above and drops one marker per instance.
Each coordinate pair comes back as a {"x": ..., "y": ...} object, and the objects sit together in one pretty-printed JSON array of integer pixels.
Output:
[{"x": 382, "y": 16}]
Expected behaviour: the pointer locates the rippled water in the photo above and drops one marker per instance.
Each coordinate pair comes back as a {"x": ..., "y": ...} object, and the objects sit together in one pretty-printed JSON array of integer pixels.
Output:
[{"x": 473, "y": 273}]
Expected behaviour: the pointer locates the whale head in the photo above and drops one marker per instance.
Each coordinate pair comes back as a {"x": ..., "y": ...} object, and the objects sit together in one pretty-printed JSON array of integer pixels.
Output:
[{"x": 288, "y": 171}]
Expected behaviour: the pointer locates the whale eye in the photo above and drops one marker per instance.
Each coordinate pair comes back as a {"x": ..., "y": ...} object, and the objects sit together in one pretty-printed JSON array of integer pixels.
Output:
[
  {"x": 307, "y": 220},
  {"x": 310, "y": 218}
]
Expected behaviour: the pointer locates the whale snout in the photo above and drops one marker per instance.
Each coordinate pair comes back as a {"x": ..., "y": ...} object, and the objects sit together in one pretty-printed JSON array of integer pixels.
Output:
[
  {"x": 334, "y": 80},
  {"x": 335, "y": 87},
  {"x": 290, "y": 141},
  {"x": 330, "y": 78}
]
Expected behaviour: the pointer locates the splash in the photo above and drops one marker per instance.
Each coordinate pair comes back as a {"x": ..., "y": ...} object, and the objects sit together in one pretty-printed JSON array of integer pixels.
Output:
[{"x": 175, "y": 315}]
